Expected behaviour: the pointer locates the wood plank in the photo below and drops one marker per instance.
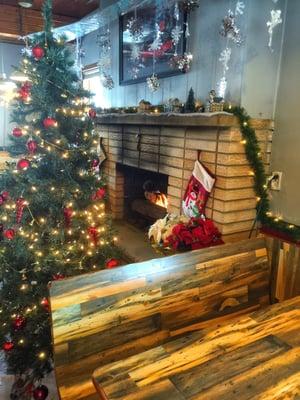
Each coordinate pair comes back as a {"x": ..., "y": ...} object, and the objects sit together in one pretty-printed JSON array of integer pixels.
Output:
[{"x": 243, "y": 359}]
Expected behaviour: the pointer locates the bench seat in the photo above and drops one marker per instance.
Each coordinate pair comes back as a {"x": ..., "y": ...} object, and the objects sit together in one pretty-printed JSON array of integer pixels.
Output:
[{"x": 112, "y": 314}]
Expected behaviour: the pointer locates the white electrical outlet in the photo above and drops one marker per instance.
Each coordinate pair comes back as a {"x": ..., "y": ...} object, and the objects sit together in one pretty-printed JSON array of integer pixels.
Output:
[{"x": 276, "y": 182}]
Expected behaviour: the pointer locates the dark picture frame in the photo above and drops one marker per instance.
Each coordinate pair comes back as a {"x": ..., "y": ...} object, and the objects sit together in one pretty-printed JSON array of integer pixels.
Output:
[{"x": 150, "y": 18}]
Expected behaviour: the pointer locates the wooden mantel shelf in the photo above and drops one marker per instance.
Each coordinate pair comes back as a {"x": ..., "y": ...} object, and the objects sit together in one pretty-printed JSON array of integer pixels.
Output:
[{"x": 220, "y": 119}]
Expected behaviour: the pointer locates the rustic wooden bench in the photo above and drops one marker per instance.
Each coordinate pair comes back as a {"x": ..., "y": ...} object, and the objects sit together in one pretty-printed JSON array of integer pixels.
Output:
[
  {"x": 254, "y": 357},
  {"x": 112, "y": 314}
]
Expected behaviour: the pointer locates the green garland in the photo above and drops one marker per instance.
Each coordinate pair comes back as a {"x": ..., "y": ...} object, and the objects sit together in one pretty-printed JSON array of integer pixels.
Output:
[{"x": 252, "y": 151}]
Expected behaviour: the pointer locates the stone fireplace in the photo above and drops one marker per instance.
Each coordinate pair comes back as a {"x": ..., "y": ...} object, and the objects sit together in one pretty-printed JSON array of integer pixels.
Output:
[{"x": 168, "y": 145}]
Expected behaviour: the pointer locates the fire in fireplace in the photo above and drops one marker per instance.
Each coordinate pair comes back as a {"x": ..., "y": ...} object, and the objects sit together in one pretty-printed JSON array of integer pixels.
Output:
[{"x": 145, "y": 200}]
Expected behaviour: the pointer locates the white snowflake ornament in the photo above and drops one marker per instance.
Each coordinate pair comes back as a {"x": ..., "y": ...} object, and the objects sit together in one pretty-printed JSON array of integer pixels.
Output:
[{"x": 274, "y": 21}]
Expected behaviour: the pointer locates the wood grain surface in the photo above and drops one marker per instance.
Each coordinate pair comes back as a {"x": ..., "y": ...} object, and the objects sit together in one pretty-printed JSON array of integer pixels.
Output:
[
  {"x": 248, "y": 358},
  {"x": 112, "y": 314}
]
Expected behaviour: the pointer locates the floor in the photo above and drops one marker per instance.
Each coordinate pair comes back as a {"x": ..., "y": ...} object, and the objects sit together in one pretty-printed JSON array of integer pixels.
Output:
[
  {"x": 135, "y": 242},
  {"x": 6, "y": 382}
]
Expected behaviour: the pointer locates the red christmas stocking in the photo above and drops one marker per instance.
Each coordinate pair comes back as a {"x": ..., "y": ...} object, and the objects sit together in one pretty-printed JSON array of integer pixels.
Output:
[{"x": 196, "y": 195}]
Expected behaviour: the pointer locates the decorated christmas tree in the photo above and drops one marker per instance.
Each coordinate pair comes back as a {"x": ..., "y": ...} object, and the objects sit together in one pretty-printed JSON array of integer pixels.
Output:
[
  {"x": 190, "y": 105},
  {"x": 52, "y": 211}
]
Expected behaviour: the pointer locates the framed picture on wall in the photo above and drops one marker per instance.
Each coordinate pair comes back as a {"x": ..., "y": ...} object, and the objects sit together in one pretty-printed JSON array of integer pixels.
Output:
[{"x": 150, "y": 38}]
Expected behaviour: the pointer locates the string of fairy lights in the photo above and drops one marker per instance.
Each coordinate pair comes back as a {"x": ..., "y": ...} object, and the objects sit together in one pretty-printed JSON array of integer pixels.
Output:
[{"x": 85, "y": 237}]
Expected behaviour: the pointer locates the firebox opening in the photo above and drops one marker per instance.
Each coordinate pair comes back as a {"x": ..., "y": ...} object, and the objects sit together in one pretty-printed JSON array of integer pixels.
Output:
[{"x": 145, "y": 198}]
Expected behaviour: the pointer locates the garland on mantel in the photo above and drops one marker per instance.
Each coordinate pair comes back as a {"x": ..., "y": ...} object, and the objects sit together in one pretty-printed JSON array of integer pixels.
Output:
[{"x": 252, "y": 150}]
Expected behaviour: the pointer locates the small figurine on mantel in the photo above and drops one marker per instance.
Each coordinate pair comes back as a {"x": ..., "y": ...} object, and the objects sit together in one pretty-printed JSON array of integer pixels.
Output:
[
  {"x": 174, "y": 105},
  {"x": 215, "y": 103},
  {"x": 144, "y": 106}
]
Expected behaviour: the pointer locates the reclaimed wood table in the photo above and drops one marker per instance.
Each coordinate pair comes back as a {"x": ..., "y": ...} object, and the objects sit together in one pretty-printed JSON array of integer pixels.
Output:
[{"x": 255, "y": 357}]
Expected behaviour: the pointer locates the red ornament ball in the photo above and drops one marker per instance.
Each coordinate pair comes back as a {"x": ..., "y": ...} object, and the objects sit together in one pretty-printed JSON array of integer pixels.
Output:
[
  {"x": 99, "y": 195},
  {"x": 40, "y": 393},
  {"x": 38, "y": 52},
  {"x": 5, "y": 195},
  {"x": 23, "y": 164},
  {"x": 9, "y": 234},
  {"x": 58, "y": 277},
  {"x": 112, "y": 263},
  {"x": 95, "y": 163},
  {"x": 45, "y": 303},
  {"x": 49, "y": 122},
  {"x": 19, "y": 322},
  {"x": 92, "y": 113},
  {"x": 17, "y": 132},
  {"x": 8, "y": 346},
  {"x": 32, "y": 146}
]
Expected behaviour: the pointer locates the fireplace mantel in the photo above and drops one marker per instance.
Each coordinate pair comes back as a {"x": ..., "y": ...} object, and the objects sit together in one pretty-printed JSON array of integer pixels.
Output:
[
  {"x": 220, "y": 119},
  {"x": 170, "y": 143}
]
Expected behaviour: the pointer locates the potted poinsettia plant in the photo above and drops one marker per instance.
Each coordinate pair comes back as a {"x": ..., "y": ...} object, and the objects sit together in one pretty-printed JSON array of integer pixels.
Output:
[{"x": 179, "y": 233}]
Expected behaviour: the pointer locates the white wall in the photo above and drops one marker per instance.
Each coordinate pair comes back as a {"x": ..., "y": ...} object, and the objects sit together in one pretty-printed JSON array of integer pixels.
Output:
[
  {"x": 252, "y": 78},
  {"x": 286, "y": 143}
]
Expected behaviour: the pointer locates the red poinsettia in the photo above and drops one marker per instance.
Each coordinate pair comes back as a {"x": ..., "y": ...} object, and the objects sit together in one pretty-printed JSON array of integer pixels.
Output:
[{"x": 196, "y": 234}]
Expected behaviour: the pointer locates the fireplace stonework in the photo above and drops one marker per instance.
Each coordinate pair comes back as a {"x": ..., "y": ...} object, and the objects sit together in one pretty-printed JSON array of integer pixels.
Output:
[{"x": 170, "y": 144}]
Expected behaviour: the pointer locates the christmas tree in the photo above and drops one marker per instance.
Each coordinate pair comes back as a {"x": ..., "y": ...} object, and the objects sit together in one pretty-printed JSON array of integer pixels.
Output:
[
  {"x": 52, "y": 210},
  {"x": 190, "y": 105}
]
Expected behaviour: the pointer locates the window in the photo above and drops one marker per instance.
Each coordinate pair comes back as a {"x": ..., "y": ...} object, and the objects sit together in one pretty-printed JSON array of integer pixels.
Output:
[{"x": 92, "y": 82}]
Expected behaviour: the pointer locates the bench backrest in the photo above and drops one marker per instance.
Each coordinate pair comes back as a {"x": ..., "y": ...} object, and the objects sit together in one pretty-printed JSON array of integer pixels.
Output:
[{"x": 111, "y": 314}]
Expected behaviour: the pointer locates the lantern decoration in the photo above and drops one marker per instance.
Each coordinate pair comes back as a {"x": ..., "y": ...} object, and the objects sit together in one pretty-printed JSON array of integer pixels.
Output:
[
  {"x": 40, "y": 393},
  {"x": 93, "y": 233},
  {"x": 38, "y": 52},
  {"x": 9, "y": 234},
  {"x": 20, "y": 205},
  {"x": 49, "y": 122},
  {"x": 23, "y": 164},
  {"x": 112, "y": 263},
  {"x": 8, "y": 346},
  {"x": 19, "y": 323},
  {"x": 99, "y": 195},
  {"x": 68, "y": 213},
  {"x": 32, "y": 146},
  {"x": 17, "y": 132},
  {"x": 92, "y": 113}
]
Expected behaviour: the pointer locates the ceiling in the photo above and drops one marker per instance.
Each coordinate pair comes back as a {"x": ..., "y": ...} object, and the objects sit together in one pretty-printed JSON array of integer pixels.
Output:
[
  {"x": 70, "y": 8},
  {"x": 17, "y": 21}
]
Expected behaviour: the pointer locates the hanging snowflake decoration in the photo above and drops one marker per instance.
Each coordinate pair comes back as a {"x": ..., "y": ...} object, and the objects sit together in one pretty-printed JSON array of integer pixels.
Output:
[
  {"x": 222, "y": 87},
  {"x": 104, "y": 61},
  {"x": 135, "y": 29},
  {"x": 157, "y": 42},
  {"x": 135, "y": 52},
  {"x": 225, "y": 58},
  {"x": 275, "y": 20},
  {"x": 239, "y": 8},
  {"x": 187, "y": 30},
  {"x": 183, "y": 63},
  {"x": 107, "y": 81},
  {"x": 229, "y": 28},
  {"x": 189, "y": 5},
  {"x": 176, "y": 12},
  {"x": 176, "y": 35},
  {"x": 153, "y": 83}
]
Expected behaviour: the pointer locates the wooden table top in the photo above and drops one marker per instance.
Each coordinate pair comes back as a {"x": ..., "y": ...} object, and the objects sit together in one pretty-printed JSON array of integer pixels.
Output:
[{"x": 255, "y": 357}]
